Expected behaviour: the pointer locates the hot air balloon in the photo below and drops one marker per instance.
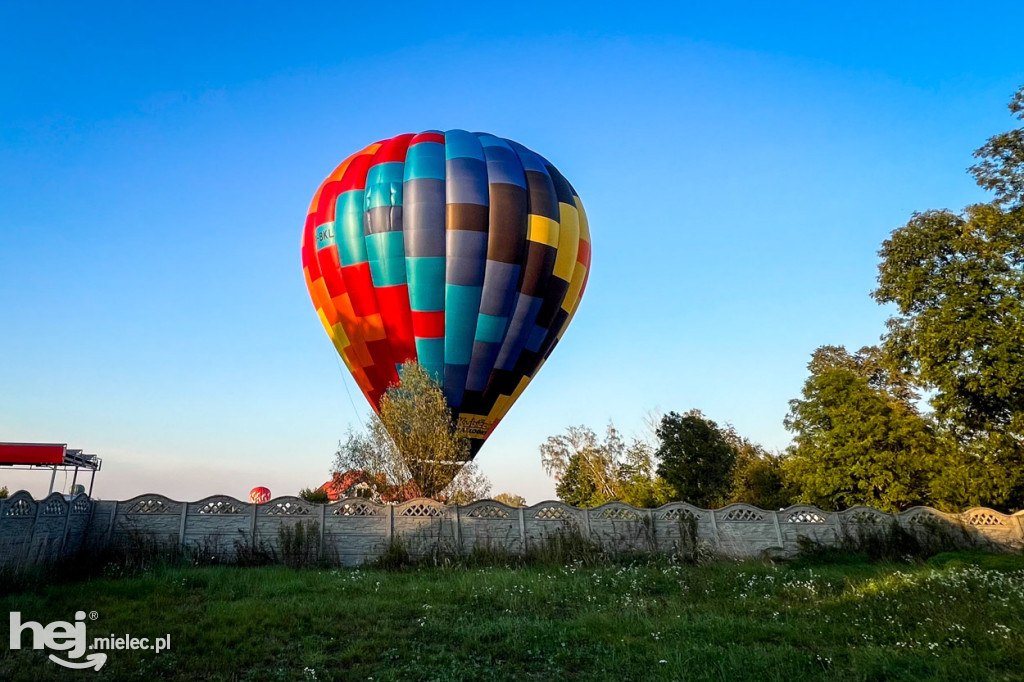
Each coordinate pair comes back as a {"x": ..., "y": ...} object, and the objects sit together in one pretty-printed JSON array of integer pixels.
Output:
[
  {"x": 465, "y": 252},
  {"x": 259, "y": 495}
]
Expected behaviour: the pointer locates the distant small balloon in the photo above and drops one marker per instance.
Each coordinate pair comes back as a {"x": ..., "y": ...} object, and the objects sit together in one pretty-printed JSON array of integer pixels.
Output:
[{"x": 259, "y": 495}]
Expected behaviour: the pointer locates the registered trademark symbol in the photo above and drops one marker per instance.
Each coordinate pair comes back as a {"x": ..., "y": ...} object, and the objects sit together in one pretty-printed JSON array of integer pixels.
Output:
[{"x": 93, "y": 615}]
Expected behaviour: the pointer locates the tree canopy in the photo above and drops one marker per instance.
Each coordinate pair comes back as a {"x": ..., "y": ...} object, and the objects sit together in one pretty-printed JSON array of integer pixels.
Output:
[
  {"x": 416, "y": 415},
  {"x": 591, "y": 471},
  {"x": 759, "y": 478},
  {"x": 857, "y": 437},
  {"x": 1001, "y": 165},
  {"x": 956, "y": 281},
  {"x": 584, "y": 465},
  {"x": 697, "y": 459},
  {"x": 414, "y": 439}
]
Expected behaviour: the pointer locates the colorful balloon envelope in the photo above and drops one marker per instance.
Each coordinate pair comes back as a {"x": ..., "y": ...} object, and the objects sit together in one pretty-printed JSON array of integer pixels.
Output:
[
  {"x": 259, "y": 495},
  {"x": 465, "y": 252}
]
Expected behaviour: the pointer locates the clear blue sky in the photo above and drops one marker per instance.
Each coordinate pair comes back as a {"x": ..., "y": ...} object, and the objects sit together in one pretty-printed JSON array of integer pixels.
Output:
[{"x": 740, "y": 165}]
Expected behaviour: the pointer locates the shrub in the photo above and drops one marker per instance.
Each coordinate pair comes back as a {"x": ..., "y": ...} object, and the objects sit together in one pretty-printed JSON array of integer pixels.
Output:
[
  {"x": 317, "y": 495},
  {"x": 299, "y": 544}
]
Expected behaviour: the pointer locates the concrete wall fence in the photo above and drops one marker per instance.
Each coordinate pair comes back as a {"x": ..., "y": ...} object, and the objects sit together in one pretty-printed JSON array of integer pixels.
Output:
[{"x": 355, "y": 530}]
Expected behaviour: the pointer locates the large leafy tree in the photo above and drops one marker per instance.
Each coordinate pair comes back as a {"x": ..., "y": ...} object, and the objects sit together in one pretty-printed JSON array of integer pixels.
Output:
[
  {"x": 696, "y": 458},
  {"x": 958, "y": 286},
  {"x": 957, "y": 283},
  {"x": 858, "y": 438}
]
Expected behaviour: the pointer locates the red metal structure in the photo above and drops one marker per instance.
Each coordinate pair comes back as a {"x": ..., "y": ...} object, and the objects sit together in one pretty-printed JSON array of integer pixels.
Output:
[{"x": 53, "y": 456}]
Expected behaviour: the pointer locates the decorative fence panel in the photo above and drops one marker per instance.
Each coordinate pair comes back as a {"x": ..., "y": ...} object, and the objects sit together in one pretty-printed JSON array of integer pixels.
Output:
[
  {"x": 42, "y": 531},
  {"x": 491, "y": 526},
  {"x": 678, "y": 525},
  {"x": 354, "y": 531}
]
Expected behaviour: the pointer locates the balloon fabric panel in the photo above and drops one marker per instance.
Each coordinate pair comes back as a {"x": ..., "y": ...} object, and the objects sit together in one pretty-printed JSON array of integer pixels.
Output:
[{"x": 464, "y": 251}]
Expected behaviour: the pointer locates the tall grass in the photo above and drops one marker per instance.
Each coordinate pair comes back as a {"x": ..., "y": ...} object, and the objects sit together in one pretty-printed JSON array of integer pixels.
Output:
[
  {"x": 891, "y": 542},
  {"x": 565, "y": 545},
  {"x": 957, "y": 616}
]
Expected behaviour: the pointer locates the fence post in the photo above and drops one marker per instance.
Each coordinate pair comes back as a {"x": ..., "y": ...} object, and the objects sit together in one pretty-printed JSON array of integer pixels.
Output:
[
  {"x": 778, "y": 530},
  {"x": 654, "y": 535},
  {"x": 323, "y": 530},
  {"x": 87, "y": 532},
  {"x": 714, "y": 530},
  {"x": 391, "y": 523},
  {"x": 586, "y": 523},
  {"x": 35, "y": 530},
  {"x": 252, "y": 524},
  {"x": 458, "y": 529},
  {"x": 67, "y": 525},
  {"x": 522, "y": 528},
  {"x": 113, "y": 520},
  {"x": 181, "y": 526}
]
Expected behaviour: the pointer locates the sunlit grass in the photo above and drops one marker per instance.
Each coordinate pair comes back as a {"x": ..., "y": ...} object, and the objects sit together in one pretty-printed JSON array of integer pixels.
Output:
[{"x": 956, "y": 617}]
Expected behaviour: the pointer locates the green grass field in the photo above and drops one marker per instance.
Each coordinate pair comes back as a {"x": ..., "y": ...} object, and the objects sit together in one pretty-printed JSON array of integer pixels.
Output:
[{"x": 956, "y": 617}]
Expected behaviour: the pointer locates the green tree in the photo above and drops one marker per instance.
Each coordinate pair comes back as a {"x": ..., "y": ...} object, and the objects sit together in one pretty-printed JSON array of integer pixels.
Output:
[
  {"x": 579, "y": 486},
  {"x": 957, "y": 283},
  {"x": 696, "y": 458},
  {"x": 591, "y": 471},
  {"x": 638, "y": 481},
  {"x": 857, "y": 437},
  {"x": 958, "y": 286},
  {"x": 759, "y": 478},
  {"x": 584, "y": 465},
  {"x": 511, "y": 499},
  {"x": 413, "y": 438},
  {"x": 416, "y": 415},
  {"x": 1001, "y": 169},
  {"x": 318, "y": 495},
  {"x": 469, "y": 485}
]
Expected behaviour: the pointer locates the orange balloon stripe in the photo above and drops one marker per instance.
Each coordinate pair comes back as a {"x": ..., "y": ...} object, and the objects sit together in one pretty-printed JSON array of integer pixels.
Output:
[
  {"x": 368, "y": 326},
  {"x": 314, "y": 282},
  {"x": 328, "y": 293}
]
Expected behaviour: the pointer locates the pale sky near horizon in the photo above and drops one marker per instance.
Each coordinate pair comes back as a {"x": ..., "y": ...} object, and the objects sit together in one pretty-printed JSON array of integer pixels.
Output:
[{"x": 740, "y": 166}]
